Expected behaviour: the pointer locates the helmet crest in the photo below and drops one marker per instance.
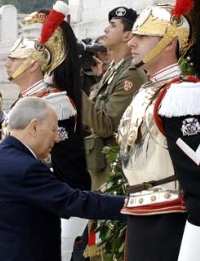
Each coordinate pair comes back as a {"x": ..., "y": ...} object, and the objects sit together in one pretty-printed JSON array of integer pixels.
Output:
[{"x": 49, "y": 49}]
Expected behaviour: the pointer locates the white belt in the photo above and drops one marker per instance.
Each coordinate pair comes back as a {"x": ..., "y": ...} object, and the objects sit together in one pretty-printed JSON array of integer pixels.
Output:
[{"x": 147, "y": 197}]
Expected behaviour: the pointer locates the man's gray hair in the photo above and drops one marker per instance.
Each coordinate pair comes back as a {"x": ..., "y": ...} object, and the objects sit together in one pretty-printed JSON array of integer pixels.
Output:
[{"x": 25, "y": 110}]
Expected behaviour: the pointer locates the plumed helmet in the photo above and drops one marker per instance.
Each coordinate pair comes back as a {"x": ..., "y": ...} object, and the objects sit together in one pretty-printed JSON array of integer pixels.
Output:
[
  {"x": 31, "y": 50},
  {"x": 168, "y": 22},
  {"x": 49, "y": 49}
]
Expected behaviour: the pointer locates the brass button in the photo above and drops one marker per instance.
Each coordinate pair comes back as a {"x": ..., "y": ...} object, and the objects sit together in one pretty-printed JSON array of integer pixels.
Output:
[
  {"x": 141, "y": 200},
  {"x": 167, "y": 195},
  {"x": 153, "y": 198}
]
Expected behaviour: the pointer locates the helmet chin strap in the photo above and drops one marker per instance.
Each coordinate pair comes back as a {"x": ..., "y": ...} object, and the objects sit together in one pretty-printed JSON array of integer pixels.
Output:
[
  {"x": 139, "y": 64},
  {"x": 22, "y": 68},
  {"x": 28, "y": 62},
  {"x": 171, "y": 33}
]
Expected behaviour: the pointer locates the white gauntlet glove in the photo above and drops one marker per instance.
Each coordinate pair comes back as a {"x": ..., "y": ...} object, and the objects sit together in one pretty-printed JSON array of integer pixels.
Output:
[{"x": 190, "y": 246}]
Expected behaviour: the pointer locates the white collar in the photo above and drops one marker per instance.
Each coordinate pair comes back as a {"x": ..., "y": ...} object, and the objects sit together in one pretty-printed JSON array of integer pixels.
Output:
[
  {"x": 170, "y": 71},
  {"x": 37, "y": 87}
]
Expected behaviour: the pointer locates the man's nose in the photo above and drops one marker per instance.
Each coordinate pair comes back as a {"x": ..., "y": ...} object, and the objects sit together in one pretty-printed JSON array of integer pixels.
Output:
[
  {"x": 131, "y": 42},
  {"x": 6, "y": 63},
  {"x": 106, "y": 29}
]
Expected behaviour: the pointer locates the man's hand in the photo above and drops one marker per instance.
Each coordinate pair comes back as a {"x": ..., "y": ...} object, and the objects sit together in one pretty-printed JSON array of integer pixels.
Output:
[{"x": 98, "y": 68}]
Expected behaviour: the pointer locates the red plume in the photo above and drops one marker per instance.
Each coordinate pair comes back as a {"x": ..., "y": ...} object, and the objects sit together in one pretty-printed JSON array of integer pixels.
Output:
[
  {"x": 54, "y": 19},
  {"x": 182, "y": 7},
  {"x": 51, "y": 24}
]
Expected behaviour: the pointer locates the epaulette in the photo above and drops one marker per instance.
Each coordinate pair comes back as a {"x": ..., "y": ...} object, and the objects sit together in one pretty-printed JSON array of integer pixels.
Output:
[
  {"x": 62, "y": 104},
  {"x": 181, "y": 99}
]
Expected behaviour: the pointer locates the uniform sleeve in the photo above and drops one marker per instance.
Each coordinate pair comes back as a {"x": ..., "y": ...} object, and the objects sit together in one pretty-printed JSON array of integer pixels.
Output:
[
  {"x": 185, "y": 154},
  {"x": 104, "y": 116},
  {"x": 180, "y": 112},
  {"x": 42, "y": 190}
]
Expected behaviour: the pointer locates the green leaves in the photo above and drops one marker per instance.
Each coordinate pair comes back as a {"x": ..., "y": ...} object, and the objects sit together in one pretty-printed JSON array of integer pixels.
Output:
[
  {"x": 187, "y": 63},
  {"x": 112, "y": 233}
]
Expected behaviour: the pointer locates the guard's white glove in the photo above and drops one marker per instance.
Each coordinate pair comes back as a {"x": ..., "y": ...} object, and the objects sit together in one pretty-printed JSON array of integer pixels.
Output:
[{"x": 190, "y": 246}]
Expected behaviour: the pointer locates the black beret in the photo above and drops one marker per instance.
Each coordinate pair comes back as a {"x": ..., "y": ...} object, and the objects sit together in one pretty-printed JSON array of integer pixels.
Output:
[{"x": 123, "y": 13}]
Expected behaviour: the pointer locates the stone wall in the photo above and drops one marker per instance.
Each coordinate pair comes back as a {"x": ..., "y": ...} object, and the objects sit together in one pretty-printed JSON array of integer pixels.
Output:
[
  {"x": 11, "y": 27},
  {"x": 89, "y": 18}
]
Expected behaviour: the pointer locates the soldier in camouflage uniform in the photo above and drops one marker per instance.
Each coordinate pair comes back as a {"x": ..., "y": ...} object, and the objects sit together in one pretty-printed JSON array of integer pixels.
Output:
[{"x": 115, "y": 90}]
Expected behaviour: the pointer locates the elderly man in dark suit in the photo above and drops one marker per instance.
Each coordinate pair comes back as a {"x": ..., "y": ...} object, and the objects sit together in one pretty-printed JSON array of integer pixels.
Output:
[{"x": 32, "y": 200}]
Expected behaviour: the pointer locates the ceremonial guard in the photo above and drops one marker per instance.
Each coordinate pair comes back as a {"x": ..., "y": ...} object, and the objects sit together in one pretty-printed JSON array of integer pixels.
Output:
[
  {"x": 162, "y": 173},
  {"x": 54, "y": 54}
]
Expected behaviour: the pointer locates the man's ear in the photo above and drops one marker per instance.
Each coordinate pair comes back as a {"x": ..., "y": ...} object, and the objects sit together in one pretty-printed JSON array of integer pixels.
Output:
[
  {"x": 127, "y": 36},
  {"x": 172, "y": 44},
  {"x": 33, "y": 126}
]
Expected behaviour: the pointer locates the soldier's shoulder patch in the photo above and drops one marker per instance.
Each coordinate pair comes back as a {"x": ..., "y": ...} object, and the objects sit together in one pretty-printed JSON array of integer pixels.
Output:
[{"x": 128, "y": 85}]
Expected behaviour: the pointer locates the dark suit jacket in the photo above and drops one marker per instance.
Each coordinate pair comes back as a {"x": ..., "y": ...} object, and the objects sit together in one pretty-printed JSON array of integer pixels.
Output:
[{"x": 32, "y": 201}]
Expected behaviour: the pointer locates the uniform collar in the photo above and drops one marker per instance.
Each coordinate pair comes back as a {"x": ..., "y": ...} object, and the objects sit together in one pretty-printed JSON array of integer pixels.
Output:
[
  {"x": 115, "y": 66},
  {"x": 168, "y": 72},
  {"x": 37, "y": 87}
]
